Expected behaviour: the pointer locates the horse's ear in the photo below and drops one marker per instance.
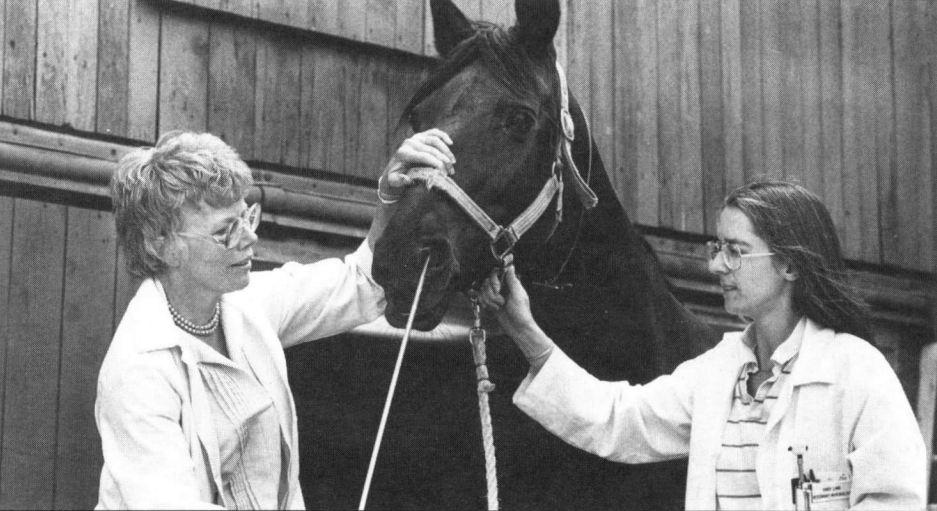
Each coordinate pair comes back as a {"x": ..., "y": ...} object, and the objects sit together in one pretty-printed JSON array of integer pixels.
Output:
[
  {"x": 450, "y": 26},
  {"x": 537, "y": 21}
]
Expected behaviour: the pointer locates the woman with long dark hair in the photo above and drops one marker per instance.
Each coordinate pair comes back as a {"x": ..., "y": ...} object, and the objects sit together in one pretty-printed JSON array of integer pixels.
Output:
[{"x": 799, "y": 398}]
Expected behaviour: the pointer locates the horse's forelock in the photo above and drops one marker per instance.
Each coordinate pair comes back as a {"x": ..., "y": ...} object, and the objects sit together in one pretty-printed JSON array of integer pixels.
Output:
[{"x": 511, "y": 65}]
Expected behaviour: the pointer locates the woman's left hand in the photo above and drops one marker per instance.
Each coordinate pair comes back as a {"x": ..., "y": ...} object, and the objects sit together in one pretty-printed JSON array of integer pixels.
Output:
[{"x": 429, "y": 148}]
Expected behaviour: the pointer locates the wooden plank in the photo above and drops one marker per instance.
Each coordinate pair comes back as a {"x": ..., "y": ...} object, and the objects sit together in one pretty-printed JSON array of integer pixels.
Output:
[
  {"x": 864, "y": 44},
  {"x": 232, "y": 85},
  {"x": 277, "y": 11},
  {"x": 352, "y": 19},
  {"x": 712, "y": 114},
  {"x": 143, "y": 70},
  {"x": 239, "y": 7},
  {"x": 183, "y": 73},
  {"x": 277, "y": 99},
  {"x": 372, "y": 134},
  {"x": 6, "y": 246},
  {"x": 689, "y": 195},
  {"x": 27, "y": 472},
  {"x": 578, "y": 56},
  {"x": 602, "y": 86},
  {"x": 772, "y": 87},
  {"x": 322, "y": 16},
  {"x": 125, "y": 287},
  {"x": 647, "y": 158},
  {"x": 908, "y": 225},
  {"x": 113, "y": 99},
  {"x": 409, "y": 25},
  {"x": 3, "y": 32},
  {"x": 19, "y": 59},
  {"x": 812, "y": 135},
  {"x": 87, "y": 316},
  {"x": 831, "y": 112},
  {"x": 323, "y": 114},
  {"x": 501, "y": 12},
  {"x": 353, "y": 70},
  {"x": 380, "y": 22},
  {"x": 627, "y": 94},
  {"x": 752, "y": 123},
  {"x": 67, "y": 48},
  {"x": 52, "y": 62},
  {"x": 731, "y": 41},
  {"x": 668, "y": 63},
  {"x": 791, "y": 109}
]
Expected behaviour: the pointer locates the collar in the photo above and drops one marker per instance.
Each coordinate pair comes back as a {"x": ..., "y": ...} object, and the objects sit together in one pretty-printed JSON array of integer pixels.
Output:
[
  {"x": 785, "y": 352},
  {"x": 818, "y": 359}
]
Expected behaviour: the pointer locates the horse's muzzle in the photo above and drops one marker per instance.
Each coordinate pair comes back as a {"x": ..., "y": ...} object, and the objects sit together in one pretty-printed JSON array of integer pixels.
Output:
[{"x": 400, "y": 281}]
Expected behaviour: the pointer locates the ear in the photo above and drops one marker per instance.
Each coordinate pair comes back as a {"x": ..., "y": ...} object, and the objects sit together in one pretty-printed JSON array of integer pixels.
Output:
[
  {"x": 168, "y": 250},
  {"x": 790, "y": 274},
  {"x": 537, "y": 21},
  {"x": 450, "y": 26}
]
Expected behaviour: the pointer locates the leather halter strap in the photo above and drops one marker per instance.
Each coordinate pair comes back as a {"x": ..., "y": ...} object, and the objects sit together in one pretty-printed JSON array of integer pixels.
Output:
[{"x": 503, "y": 239}]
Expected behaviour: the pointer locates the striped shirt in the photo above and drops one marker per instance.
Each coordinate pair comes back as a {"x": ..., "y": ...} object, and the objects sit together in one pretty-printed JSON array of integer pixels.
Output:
[
  {"x": 249, "y": 437},
  {"x": 736, "y": 480}
]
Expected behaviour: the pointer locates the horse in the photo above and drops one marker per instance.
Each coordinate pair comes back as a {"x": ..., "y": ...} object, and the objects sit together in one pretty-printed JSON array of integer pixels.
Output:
[{"x": 596, "y": 288}]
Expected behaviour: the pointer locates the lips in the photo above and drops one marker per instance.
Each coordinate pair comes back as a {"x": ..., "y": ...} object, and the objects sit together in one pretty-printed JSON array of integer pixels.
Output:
[
  {"x": 727, "y": 287},
  {"x": 246, "y": 263}
]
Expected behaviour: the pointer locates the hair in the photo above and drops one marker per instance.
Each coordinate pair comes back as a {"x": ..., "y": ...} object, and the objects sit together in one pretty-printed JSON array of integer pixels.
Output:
[
  {"x": 152, "y": 184},
  {"x": 799, "y": 229}
]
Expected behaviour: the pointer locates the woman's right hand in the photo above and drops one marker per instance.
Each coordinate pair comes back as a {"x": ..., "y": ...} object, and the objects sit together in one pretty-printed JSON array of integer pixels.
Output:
[{"x": 512, "y": 309}]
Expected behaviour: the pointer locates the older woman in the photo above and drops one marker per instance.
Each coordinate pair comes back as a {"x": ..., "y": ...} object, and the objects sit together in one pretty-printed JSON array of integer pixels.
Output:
[
  {"x": 193, "y": 405},
  {"x": 799, "y": 380}
]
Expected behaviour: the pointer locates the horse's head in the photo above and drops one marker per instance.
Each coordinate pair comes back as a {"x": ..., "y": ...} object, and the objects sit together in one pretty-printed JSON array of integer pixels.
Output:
[{"x": 496, "y": 92}]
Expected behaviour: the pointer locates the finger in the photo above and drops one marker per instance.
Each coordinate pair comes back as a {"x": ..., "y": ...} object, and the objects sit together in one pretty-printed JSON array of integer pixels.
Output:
[
  {"x": 421, "y": 154},
  {"x": 439, "y": 133},
  {"x": 440, "y": 145},
  {"x": 397, "y": 179}
]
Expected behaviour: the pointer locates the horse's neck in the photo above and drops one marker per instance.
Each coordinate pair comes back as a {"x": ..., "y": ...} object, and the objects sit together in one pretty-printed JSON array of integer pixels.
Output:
[{"x": 612, "y": 267}]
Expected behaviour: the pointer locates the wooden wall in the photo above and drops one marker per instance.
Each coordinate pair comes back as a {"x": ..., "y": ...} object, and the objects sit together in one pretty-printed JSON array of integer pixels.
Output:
[{"x": 687, "y": 98}]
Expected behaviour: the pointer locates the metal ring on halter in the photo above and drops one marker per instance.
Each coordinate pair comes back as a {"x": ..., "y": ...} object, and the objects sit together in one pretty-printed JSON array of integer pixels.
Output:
[{"x": 503, "y": 244}]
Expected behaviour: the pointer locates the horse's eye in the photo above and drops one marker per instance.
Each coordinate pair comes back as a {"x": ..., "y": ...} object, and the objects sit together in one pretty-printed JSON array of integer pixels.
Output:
[{"x": 518, "y": 124}]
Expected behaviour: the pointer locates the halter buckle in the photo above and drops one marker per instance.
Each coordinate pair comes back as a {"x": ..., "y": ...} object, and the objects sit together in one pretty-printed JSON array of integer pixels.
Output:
[{"x": 566, "y": 121}]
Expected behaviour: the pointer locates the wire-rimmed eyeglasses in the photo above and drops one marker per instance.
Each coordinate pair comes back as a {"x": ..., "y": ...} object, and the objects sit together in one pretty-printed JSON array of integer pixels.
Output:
[
  {"x": 731, "y": 253},
  {"x": 249, "y": 219}
]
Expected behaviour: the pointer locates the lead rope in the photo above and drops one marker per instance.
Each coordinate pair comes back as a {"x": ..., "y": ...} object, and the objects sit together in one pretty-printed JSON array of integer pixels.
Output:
[
  {"x": 393, "y": 385},
  {"x": 477, "y": 339}
]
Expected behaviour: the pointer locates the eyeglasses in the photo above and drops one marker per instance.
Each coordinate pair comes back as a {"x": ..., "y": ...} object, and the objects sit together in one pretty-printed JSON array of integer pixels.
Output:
[
  {"x": 731, "y": 253},
  {"x": 250, "y": 219}
]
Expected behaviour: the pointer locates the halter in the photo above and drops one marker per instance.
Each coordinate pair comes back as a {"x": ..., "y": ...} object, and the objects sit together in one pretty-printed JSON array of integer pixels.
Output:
[{"x": 502, "y": 238}]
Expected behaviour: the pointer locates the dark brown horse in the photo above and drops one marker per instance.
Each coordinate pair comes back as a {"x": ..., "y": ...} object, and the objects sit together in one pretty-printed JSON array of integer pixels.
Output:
[{"x": 596, "y": 289}]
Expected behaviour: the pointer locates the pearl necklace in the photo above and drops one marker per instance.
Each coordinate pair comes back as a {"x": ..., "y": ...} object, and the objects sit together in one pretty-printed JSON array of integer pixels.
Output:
[{"x": 192, "y": 328}]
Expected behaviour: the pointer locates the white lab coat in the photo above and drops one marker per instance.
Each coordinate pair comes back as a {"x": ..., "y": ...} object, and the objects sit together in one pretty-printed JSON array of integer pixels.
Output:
[
  {"x": 842, "y": 400},
  {"x": 152, "y": 410}
]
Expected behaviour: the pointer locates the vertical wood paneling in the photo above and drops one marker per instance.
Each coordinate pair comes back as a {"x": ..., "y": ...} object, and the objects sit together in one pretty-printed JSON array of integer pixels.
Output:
[
  {"x": 351, "y": 19},
  {"x": 752, "y": 124},
  {"x": 578, "y": 57},
  {"x": 687, "y": 210},
  {"x": 67, "y": 62},
  {"x": 183, "y": 73},
  {"x": 910, "y": 222},
  {"x": 600, "y": 50},
  {"x": 277, "y": 100},
  {"x": 113, "y": 98},
  {"x": 3, "y": 33},
  {"x": 792, "y": 108},
  {"x": 773, "y": 87},
  {"x": 19, "y": 59},
  {"x": 351, "y": 103},
  {"x": 51, "y": 67},
  {"x": 668, "y": 62},
  {"x": 6, "y": 250},
  {"x": 408, "y": 26},
  {"x": 372, "y": 127},
  {"x": 125, "y": 286},
  {"x": 231, "y": 86},
  {"x": 648, "y": 161},
  {"x": 143, "y": 70},
  {"x": 831, "y": 112},
  {"x": 27, "y": 471},
  {"x": 323, "y": 15},
  {"x": 867, "y": 121},
  {"x": 380, "y": 22},
  {"x": 712, "y": 130},
  {"x": 811, "y": 96},
  {"x": 731, "y": 40},
  {"x": 89, "y": 283},
  {"x": 627, "y": 76},
  {"x": 323, "y": 108}
]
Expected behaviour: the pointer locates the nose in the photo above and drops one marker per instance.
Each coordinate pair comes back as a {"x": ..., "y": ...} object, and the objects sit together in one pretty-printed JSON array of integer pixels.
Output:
[
  {"x": 718, "y": 265},
  {"x": 247, "y": 238}
]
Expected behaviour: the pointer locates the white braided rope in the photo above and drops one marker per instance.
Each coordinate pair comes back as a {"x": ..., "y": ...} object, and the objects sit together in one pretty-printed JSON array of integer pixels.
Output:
[{"x": 477, "y": 338}]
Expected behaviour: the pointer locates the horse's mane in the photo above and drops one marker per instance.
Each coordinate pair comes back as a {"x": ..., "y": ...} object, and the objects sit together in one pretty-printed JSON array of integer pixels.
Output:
[{"x": 522, "y": 74}]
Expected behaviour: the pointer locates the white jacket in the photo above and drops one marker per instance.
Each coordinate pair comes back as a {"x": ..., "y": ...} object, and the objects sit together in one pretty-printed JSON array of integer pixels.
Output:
[
  {"x": 843, "y": 401},
  {"x": 152, "y": 410}
]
